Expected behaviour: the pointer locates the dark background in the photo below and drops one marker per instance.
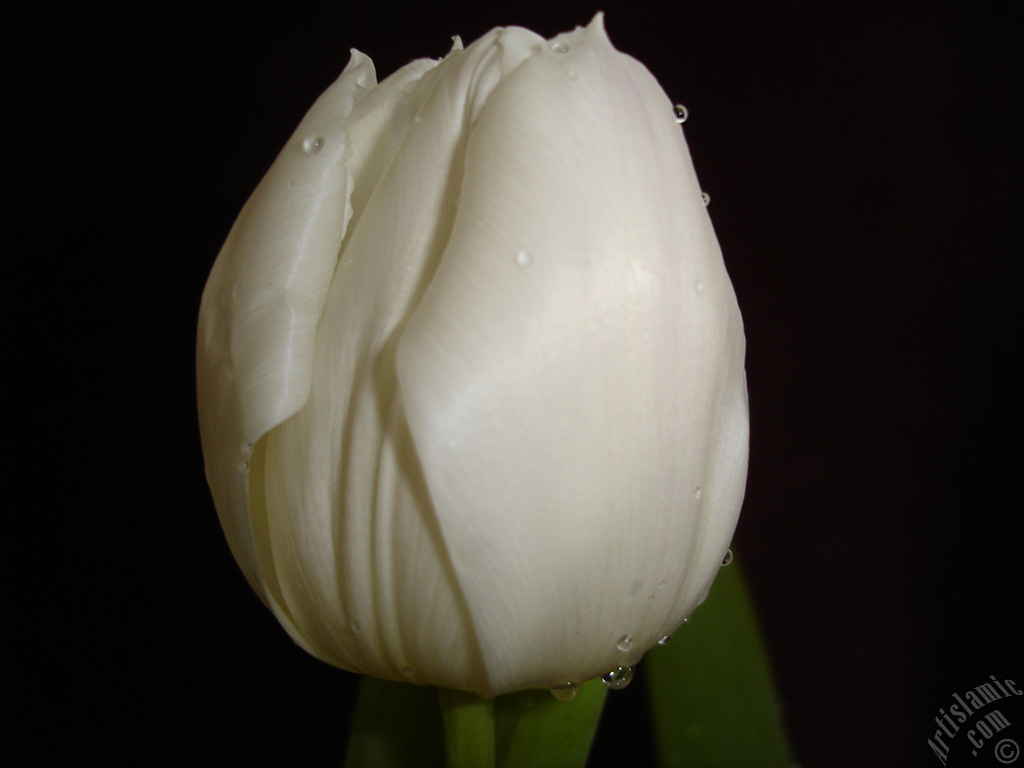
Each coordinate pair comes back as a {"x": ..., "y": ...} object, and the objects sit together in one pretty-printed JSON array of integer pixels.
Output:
[{"x": 863, "y": 161}]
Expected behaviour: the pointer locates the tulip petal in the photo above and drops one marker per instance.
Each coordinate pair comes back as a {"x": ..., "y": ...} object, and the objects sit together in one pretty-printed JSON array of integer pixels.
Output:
[
  {"x": 262, "y": 304},
  {"x": 353, "y": 539},
  {"x": 574, "y": 372},
  {"x": 264, "y": 297}
]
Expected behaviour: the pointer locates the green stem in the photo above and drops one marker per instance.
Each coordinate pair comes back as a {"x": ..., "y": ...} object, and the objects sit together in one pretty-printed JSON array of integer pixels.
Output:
[
  {"x": 395, "y": 725},
  {"x": 537, "y": 731},
  {"x": 468, "y": 729}
]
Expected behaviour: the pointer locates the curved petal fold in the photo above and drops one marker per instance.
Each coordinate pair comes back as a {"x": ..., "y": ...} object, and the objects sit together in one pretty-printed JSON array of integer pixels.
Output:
[
  {"x": 264, "y": 297},
  {"x": 352, "y": 542},
  {"x": 573, "y": 377}
]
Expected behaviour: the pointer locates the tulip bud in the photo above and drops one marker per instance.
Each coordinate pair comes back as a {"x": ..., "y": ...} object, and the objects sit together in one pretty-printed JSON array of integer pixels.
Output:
[{"x": 470, "y": 370}]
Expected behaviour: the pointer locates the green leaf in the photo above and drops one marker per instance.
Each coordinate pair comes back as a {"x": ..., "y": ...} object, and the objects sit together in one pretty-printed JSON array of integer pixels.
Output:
[
  {"x": 395, "y": 725},
  {"x": 711, "y": 692}
]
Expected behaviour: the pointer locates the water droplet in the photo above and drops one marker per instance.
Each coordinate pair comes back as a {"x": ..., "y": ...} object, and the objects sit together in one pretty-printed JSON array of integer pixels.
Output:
[
  {"x": 686, "y": 619},
  {"x": 559, "y": 47},
  {"x": 407, "y": 672},
  {"x": 354, "y": 626},
  {"x": 523, "y": 259},
  {"x": 661, "y": 584},
  {"x": 698, "y": 491},
  {"x": 706, "y": 198},
  {"x": 248, "y": 447},
  {"x": 245, "y": 466},
  {"x": 565, "y": 691},
  {"x": 728, "y": 557},
  {"x": 681, "y": 113},
  {"x": 625, "y": 643},
  {"x": 650, "y": 598},
  {"x": 618, "y": 678},
  {"x": 664, "y": 640},
  {"x": 313, "y": 144}
]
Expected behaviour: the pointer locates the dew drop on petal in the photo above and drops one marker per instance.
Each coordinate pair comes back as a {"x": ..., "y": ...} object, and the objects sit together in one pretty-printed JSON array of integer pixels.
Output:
[
  {"x": 706, "y": 198},
  {"x": 686, "y": 619},
  {"x": 625, "y": 643},
  {"x": 698, "y": 491},
  {"x": 699, "y": 287},
  {"x": 664, "y": 640},
  {"x": 523, "y": 259},
  {"x": 681, "y": 113},
  {"x": 618, "y": 678},
  {"x": 728, "y": 557},
  {"x": 245, "y": 466},
  {"x": 313, "y": 145},
  {"x": 565, "y": 691},
  {"x": 559, "y": 47}
]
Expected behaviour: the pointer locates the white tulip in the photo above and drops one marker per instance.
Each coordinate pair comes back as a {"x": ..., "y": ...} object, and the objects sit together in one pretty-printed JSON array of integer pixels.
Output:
[{"x": 471, "y": 384}]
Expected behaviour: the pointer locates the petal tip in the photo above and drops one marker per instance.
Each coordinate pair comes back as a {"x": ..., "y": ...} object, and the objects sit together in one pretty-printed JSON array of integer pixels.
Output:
[{"x": 362, "y": 66}]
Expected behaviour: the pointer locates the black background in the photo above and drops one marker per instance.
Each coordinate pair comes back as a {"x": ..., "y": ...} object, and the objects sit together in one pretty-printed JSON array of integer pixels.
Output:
[{"x": 863, "y": 161}]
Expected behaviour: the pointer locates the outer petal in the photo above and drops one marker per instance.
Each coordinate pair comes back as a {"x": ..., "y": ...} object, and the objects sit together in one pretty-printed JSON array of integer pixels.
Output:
[
  {"x": 264, "y": 299},
  {"x": 573, "y": 377},
  {"x": 353, "y": 550}
]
